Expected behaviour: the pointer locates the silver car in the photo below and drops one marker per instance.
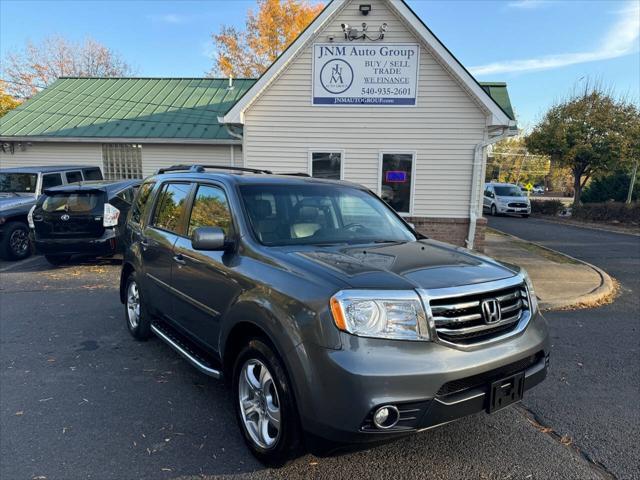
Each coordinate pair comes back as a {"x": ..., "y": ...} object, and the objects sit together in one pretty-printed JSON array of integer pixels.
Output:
[{"x": 502, "y": 198}]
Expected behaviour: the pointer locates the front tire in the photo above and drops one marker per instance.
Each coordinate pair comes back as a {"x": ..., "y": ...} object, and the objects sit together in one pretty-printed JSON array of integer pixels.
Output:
[
  {"x": 494, "y": 211},
  {"x": 135, "y": 310},
  {"x": 15, "y": 241},
  {"x": 526, "y": 215},
  {"x": 264, "y": 405}
]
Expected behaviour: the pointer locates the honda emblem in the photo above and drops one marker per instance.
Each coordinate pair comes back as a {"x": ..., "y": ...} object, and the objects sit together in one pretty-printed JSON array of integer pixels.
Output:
[{"x": 491, "y": 310}]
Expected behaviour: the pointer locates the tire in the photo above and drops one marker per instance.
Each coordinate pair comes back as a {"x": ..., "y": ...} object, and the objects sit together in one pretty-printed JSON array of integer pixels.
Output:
[
  {"x": 136, "y": 313},
  {"x": 267, "y": 398},
  {"x": 15, "y": 241},
  {"x": 526, "y": 215},
  {"x": 57, "y": 259},
  {"x": 494, "y": 211}
]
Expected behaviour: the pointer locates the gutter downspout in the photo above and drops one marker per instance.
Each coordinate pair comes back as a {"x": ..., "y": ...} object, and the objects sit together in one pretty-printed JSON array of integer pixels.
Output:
[{"x": 475, "y": 185}]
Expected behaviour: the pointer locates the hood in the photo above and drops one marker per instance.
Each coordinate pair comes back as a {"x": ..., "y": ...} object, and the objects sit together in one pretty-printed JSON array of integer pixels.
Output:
[
  {"x": 11, "y": 201},
  {"x": 422, "y": 264},
  {"x": 520, "y": 199}
]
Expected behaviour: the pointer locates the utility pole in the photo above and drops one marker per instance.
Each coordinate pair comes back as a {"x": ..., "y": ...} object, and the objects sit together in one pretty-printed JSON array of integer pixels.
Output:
[{"x": 632, "y": 181}]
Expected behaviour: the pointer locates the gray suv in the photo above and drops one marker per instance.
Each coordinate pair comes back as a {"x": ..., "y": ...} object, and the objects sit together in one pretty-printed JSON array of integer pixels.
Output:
[{"x": 328, "y": 315}]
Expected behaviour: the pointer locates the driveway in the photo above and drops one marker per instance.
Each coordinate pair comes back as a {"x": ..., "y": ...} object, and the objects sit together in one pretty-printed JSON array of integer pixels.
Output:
[
  {"x": 80, "y": 399},
  {"x": 592, "y": 394}
]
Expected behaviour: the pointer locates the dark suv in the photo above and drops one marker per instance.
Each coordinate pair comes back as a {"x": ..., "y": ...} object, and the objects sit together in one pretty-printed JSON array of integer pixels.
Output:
[{"x": 329, "y": 316}]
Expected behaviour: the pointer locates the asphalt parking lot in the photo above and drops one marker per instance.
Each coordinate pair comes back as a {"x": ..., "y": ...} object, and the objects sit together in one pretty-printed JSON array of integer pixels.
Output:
[{"x": 80, "y": 399}]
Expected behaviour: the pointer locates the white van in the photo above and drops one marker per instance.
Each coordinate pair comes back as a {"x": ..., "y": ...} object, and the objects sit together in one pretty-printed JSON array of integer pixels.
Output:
[{"x": 501, "y": 198}]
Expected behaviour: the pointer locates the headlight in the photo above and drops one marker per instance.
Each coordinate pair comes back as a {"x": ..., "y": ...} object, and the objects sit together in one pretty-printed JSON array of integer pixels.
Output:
[
  {"x": 394, "y": 314},
  {"x": 532, "y": 293}
]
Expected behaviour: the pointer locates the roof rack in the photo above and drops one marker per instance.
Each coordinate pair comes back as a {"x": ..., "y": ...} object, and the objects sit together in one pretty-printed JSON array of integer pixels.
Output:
[{"x": 202, "y": 168}]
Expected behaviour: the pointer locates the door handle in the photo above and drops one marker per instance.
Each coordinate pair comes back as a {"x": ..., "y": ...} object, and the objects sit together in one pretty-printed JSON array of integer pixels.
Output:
[{"x": 179, "y": 259}]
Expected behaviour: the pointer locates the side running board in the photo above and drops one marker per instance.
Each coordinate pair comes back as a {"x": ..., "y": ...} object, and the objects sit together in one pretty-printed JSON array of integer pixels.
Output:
[{"x": 198, "y": 362}]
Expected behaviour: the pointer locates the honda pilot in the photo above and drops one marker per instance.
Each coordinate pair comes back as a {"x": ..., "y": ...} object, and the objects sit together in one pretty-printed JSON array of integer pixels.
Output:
[{"x": 328, "y": 315}]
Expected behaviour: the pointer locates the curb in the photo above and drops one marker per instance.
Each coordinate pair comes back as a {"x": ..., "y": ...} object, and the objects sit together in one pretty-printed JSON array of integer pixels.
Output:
[
  {"x": 599, "y": 295},
  {"x": 576, "y": 223}
]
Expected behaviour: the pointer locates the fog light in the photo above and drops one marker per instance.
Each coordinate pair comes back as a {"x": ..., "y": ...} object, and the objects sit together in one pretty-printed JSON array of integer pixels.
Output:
[{"x": 386, "y": 417}]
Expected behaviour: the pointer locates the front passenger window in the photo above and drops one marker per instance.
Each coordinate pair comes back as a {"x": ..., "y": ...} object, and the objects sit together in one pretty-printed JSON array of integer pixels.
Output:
[
  {"x": 170, "y": 206},
  {"x": 210, "y": 209}
]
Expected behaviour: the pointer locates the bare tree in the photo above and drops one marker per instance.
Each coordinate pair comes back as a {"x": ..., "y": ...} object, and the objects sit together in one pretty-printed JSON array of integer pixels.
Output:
[{"x": 36, "y": 66}]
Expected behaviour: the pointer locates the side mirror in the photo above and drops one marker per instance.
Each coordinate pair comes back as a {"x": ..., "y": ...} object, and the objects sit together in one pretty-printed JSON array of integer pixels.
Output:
[{"x": 208, "y": 238}]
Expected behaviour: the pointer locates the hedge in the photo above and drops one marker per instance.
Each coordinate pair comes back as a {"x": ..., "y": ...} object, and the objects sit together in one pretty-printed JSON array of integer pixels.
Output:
[
  {"x": 608, "y": 212},
  {"x": 546, "y": 207}
]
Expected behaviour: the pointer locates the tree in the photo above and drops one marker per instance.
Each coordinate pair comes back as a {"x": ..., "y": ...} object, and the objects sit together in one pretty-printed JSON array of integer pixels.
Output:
[
  {"x": 591, "y": 133},
  {"x": 28, "y": 71},
  {"x": 511, "y": 162},
  {"x": 267, "y": 34},
  {"x": 7, "y": 102}
]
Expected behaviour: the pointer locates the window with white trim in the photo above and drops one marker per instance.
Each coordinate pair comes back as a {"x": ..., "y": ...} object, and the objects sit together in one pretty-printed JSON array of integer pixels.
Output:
[
  {"x": 326, "y": 165},
  {"x": 396, "y": 180},
  {"x": 122, "y": 160}
]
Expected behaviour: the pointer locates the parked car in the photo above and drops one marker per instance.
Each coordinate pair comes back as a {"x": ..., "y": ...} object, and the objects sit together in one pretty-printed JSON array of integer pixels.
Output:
[
  {"x": 538, "y": 190},
  {"x": 83, "y": 218},
  {"x": 19, "y": 190},
  {"x": 328, "y": 315},
  {"x": 502, "y": 198}
]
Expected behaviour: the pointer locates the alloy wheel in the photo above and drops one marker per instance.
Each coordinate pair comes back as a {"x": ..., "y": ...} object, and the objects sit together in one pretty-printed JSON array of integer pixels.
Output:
[
  {"x": 133, "y": 305},
  {"x": 19, "y": 242},
  {"x": 259, "y": 403}
]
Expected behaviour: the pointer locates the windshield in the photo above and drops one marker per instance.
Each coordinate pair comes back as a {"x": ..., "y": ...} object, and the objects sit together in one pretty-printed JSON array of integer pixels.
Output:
[
  {"x": 320, "y": 214},
  {"x": 18, "y": 182},
  {"x": 508, "y": 191},
  {"x": 81, "y": 202}
]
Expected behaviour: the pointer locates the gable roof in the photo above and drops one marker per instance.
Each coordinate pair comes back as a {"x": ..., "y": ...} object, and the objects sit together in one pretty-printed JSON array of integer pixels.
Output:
[
  {"x": 498, "y": 116},
  {"x": 138, "y": 109}
]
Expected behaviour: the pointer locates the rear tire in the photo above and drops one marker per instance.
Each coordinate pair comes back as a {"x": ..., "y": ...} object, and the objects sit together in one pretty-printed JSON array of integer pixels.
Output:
[
  {"x": 265, "y": 405},
  {"x": 136, "y": 313},
  {"x": 15, "y": 241},
  {"x": 56, "y": 260}
]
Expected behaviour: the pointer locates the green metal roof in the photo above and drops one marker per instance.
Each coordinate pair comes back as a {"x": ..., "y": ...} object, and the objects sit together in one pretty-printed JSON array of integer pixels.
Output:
[
  {"x": 498, "y": 91},
  {"x": 184, "y": 109},
  {"x": 144, "y": 108}
]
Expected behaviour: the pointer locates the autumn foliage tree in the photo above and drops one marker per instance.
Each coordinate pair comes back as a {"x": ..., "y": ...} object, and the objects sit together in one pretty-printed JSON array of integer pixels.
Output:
[
  {"x": 29, "y": 70},
  {"x": 7, "y": 102},
  {"x": 268, "y": 32},
  {"x": 592, "y": 133}
]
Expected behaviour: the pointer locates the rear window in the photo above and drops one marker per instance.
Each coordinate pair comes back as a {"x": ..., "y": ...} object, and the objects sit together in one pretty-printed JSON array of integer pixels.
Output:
[
  {"x": 76, "y": 202},
  {"x": 92, "y": 174}
]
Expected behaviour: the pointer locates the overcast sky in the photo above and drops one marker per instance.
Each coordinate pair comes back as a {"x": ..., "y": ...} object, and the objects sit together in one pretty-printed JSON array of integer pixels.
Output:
[{"x": 541, "y": 48}]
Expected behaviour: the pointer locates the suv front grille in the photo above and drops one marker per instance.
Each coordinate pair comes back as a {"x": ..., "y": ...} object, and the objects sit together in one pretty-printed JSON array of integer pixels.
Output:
[
  {"x": 518, "y": 205},
  {"x": 464, "y": 319}
]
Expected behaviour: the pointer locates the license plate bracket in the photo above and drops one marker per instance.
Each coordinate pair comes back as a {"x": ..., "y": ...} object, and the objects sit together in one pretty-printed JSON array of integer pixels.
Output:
[{"x": 505, "y": 391}]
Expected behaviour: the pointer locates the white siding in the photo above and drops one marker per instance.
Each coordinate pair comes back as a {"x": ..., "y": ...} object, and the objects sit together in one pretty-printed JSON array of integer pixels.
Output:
[
  {"x": 157, "y": 155},
  {"x": 39, "y": 153},
  {"x": 443, "y": 129}
]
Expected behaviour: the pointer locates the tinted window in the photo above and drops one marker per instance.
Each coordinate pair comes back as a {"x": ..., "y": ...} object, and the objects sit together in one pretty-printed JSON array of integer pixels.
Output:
[
  {"x": 73, "y": 177},
  {"x": 326, "y": 165},
  {"x": 92, "y": 174},
  {"x": 141, "y": 200},
  {"x": 51, "y": 180},
  {"x": 319, "y": 214},
  {"x": 396, "y": 180},
  {"x": 18, "y": 182},
  {"x": 210, "y": 209},
  {"x": 170, "y": 206},
  {"x": 77, "y": 202}
]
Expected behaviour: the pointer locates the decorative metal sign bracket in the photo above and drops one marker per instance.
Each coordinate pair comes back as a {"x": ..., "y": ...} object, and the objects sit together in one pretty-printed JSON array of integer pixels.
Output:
[{"x": 352, "y": 33}]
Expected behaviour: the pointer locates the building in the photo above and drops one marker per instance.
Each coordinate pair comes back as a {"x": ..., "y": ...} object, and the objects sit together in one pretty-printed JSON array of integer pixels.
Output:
[{"x": 387, "y": 106}]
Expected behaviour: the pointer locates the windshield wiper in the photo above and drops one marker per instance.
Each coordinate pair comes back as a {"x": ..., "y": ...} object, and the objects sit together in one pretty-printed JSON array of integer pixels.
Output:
[{"x": 396, "y": 242}]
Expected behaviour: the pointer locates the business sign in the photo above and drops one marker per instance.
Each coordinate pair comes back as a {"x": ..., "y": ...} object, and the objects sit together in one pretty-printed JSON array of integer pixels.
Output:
[
  {"x": 365, "y": 74},
  {"x": 395, "y": 176}
]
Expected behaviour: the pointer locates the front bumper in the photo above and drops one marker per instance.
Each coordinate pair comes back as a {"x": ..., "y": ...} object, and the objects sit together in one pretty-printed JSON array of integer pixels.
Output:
[
  {"x": 430, "y": 383},
  {"x": 108, "y": 244},
  {"x": 516, "y": 210}
]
